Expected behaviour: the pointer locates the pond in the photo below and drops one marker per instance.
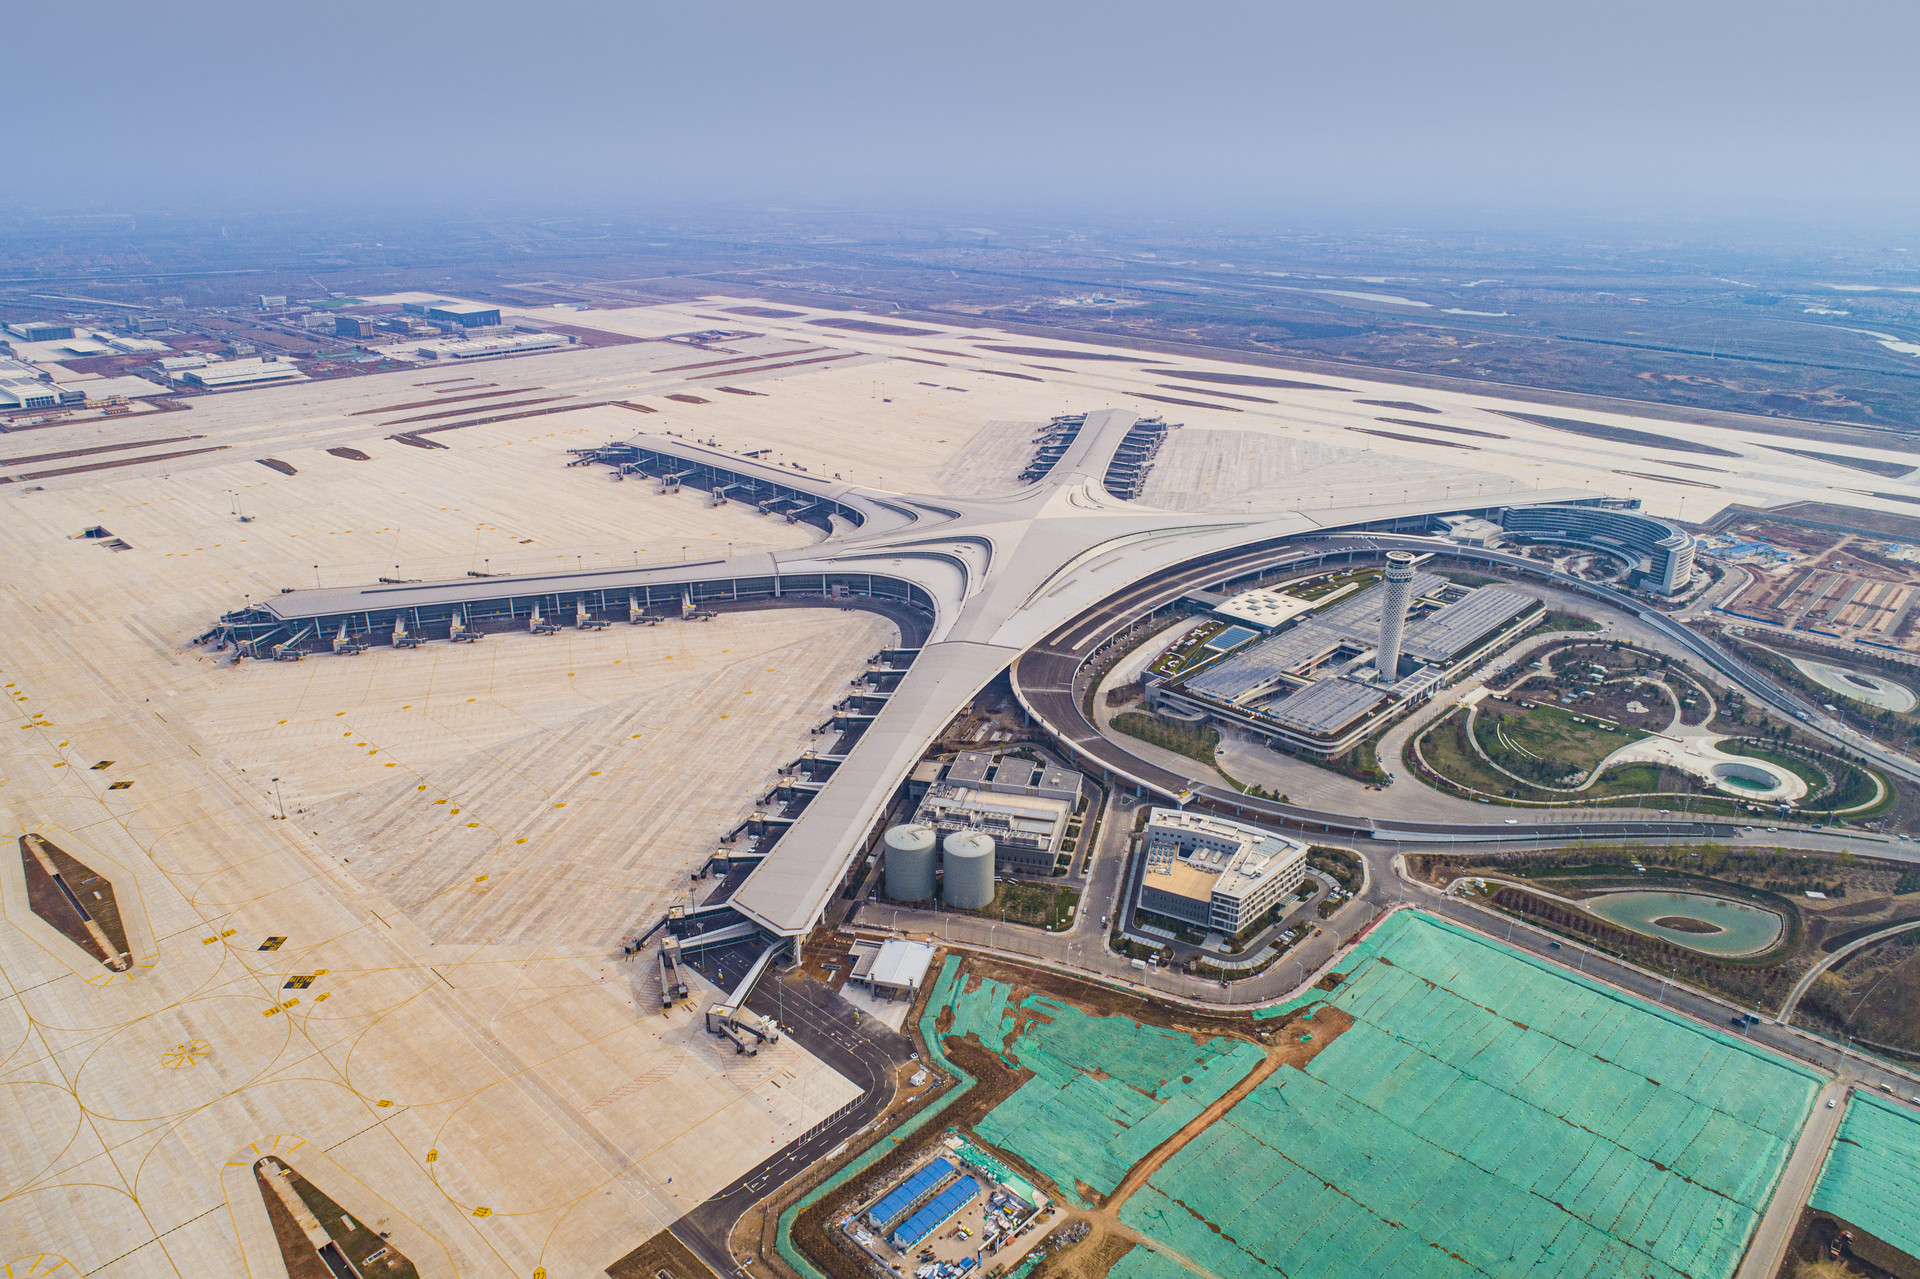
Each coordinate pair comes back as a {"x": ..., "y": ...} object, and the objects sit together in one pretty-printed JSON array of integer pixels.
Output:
[{"x": 1713, "y": 925}]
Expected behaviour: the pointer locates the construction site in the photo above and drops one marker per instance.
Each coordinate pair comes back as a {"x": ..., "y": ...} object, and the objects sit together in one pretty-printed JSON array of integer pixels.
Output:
[
  {"x": 1438, "y": 1100},
  {"x": 1824, "y": 581}
]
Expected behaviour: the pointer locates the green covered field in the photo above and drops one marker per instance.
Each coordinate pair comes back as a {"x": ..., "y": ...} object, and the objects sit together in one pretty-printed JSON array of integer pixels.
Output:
[
  {"x": 1486, "y": 1114},
  {"x": 1872, "y": 1175},
  {"x": 1106, "y": 1090}
]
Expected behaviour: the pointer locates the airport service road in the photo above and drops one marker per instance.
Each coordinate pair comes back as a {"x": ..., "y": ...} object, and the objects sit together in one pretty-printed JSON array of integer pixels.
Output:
[
  {"x": 1768, "y": 1247},
  {"x": 860, "y": 1048}
]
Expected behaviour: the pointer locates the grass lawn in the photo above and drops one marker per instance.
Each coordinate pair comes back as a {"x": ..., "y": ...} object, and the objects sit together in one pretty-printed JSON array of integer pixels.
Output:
[
  {"x": 1552, "y": 733},
  {"x": 1045, "y": 906},
  {"x": 1556, "y": 620},
  {"x": 1195, "y": 743},
  {"x": 1626, "y": 779},
  {"x": 1446, "y": 750}
]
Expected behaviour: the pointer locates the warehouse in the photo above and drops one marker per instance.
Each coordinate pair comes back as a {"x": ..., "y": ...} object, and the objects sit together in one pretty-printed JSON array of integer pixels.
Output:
[
  {"x": 1216, "y": 874},
  {"x": 480, "y": 348},
  {"x": 232, "y": 373}
]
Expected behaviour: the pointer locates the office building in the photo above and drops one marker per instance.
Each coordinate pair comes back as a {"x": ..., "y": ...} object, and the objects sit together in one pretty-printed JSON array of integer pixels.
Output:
[{"x": 1216, "y": 874}]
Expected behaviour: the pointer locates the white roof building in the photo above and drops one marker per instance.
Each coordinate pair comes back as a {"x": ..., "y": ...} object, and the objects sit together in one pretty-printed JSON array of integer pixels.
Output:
[
  {"x": 1264, "y": 608},
  {"x": 1214, "y": 873},
  {"x": 895, "y": 968},
  {"x": 229, "y": 373}
]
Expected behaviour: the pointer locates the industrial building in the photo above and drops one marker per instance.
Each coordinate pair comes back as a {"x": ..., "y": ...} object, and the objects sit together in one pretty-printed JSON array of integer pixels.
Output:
[
  {"x": 231, "y": 373},
  {"x": 17, "y": 392},
  {"x": 40, "y": 331},
  {"x": 463, "y": 315},
  {"x": 892, "y": 969},
  {"x": 1013, "y": 775},
  {"x": 507, "y": 344},
  {"x": 1216, "y": 874},
  {"x": 1659, "y": 556},
  {"x": 1023, "y": 804},
  {"x": 353, "y": 326}
]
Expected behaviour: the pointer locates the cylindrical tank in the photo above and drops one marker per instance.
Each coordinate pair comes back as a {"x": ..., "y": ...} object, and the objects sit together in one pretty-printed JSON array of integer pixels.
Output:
[
  {"x": 910, "y": 862},
  {"x": 969, "y": 866}
]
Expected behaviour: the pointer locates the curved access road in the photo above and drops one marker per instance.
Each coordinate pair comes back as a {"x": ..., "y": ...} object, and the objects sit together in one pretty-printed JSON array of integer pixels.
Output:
[
  {"x": 1048, "y": 680},
  {"x": 1860, "y": 943}
]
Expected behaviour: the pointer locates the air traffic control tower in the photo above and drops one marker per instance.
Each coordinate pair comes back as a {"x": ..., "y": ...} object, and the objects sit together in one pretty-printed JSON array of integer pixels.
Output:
[{"x": 1393, "y": 615}]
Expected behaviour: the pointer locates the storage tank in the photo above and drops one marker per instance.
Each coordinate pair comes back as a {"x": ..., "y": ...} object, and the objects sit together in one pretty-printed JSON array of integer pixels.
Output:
[
  {"x": 910, "y": 862},
  {"x": 969, "y": 866}
]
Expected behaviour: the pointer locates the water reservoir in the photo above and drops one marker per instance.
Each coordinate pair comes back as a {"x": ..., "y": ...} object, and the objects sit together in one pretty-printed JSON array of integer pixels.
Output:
[{"x": 1714, "y": 925}]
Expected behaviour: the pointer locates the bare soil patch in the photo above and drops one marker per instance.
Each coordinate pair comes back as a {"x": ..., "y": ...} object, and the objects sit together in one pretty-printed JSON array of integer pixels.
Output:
[
  {"x": 1617, "y": 434},
  {"x": 661, "y": 1257},
  {"x": 1245, "y": 379}
]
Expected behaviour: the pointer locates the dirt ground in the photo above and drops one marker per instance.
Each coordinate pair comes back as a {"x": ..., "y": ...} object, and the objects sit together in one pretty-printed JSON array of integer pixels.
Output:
[
  {"x": 1808, "y": 1255},
  {"x": 661, "y": 1257}
]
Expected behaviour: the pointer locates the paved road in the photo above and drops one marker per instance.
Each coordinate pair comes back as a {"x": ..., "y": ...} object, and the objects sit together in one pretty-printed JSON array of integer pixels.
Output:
[
  {"x": 860, "y": 1048},
  {"x": 1770, "y": 1239}
]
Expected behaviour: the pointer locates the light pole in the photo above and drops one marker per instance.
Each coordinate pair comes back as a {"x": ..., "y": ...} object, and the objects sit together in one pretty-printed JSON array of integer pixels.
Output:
[{"x": 278, "y": 806}]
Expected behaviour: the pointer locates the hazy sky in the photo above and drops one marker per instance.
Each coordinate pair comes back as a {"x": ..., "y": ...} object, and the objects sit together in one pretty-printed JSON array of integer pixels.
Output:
[{"x": 1739, "y": 110}]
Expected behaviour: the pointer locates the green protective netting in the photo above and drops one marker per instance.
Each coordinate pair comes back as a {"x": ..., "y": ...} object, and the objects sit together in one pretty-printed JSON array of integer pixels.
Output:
[
  {"x": 1075, "y": 1126},
  {"x": 1486, "y": 1113},
  {"x": 1872, "y": 1177},
  {"x": 1068, "y": 1121}
]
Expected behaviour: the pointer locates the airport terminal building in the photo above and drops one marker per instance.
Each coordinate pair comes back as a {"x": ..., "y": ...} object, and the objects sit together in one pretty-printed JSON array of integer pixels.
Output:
[
  {"x": 1660, "y": 554},
  {"x": 1316, "y": 683}
]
